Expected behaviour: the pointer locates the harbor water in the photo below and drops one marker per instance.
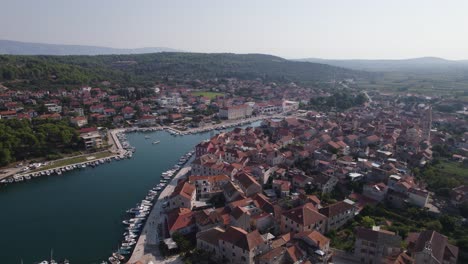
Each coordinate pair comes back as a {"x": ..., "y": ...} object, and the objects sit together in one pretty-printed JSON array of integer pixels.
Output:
[{"x": 78, "y": 215}]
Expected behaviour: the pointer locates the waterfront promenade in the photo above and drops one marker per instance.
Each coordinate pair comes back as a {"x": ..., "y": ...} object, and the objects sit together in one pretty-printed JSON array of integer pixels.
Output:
[
  {"x": 146, "y": 248},
  {"x": 117, "y": 150}
]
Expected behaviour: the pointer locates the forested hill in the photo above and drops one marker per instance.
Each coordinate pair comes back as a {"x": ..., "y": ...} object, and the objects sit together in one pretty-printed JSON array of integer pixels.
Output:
[{"x": 144, "y": 69}]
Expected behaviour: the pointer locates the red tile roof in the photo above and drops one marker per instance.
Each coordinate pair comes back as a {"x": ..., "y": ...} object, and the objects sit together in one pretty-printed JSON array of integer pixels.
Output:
[{"x": 305, "y": 215}]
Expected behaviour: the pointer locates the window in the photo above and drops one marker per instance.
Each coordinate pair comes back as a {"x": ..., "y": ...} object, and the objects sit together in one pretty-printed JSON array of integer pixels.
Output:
[
  {"x": 233, "y": 254},
  {"x": 243, "y": 259}
]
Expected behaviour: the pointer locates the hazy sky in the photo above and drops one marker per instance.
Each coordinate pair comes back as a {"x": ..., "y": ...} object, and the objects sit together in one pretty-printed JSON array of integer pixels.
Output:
[{"x": 292, "y": 29}]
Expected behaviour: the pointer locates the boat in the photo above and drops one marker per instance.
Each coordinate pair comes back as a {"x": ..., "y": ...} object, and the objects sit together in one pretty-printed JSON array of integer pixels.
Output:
[
  {"x": 126, "y": 248},
  {"x": 128, "y": 244},
  {"x": 123, "y": 252},
  {"x": 118, "y": 256},
  {"x": 147, "y": 137},
  {"x": 156, "y": 142},
  {"x": 114, "y": 260}
]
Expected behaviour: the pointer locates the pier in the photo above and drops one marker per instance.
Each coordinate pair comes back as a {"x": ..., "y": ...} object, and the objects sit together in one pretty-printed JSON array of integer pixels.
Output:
[{"x": 146, "y": 248}]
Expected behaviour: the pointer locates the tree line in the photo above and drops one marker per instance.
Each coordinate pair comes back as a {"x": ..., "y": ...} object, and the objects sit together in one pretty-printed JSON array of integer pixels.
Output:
[{"x": 24, "y": 139}]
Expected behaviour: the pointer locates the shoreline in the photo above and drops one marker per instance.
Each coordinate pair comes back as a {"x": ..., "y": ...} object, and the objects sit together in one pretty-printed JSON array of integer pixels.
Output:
[
  {"x": 146, "y": 248},
  {"x": 119, "y": 151}
]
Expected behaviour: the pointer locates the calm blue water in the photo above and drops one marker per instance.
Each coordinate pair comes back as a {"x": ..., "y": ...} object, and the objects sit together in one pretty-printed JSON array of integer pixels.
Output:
[{"x": 79, "y": 213}]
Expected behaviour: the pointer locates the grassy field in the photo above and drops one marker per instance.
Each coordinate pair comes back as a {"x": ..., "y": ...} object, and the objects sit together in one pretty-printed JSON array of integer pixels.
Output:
[
  {"x": 453, "y": 168},
  {"x": 66, "y": 162},
  {"x": 210, "y": 95}
]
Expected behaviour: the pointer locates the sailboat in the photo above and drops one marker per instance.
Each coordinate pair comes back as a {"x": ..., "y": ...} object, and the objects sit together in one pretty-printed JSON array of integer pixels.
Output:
[{"x": 52, "y": 261}]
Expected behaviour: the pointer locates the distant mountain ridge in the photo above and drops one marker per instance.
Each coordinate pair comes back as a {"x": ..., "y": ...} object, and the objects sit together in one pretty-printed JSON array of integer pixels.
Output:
[
  {"x": 416, "y": 64},
  {"x": 10, "y": 47}
]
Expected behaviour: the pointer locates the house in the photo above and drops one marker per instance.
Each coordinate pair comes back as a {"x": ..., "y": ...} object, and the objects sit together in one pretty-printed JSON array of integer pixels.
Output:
[
  {"x": 180, "y": 220},
  {"x": 208, "y": 240},
  {"x": 209, "y": 218},
  {"x": 235, "y": 112},
  {"x": 315, "y": 244},
  {"x": 282, "y": 187},
  {"x": 183, "y": 196},
  {"x": 99, "y": 109},
  {"x": 79, "y": 121},
  {"x": 239, "y": 246},
  {"x": 232, "y": 192},
  {"x": 324, "y": 182},
  {"x": 109, "y": 112},
  {"x": 233, "y": 245},
  {"x": 338, "y": 214},
  {"x": 302, "y": 218},
  {"x": 53, "y": 108},
  {"x": 418, "y": 197},
  {"x": 128, "y": 112},
  {"x": 242, "y": 216},
  {"x": 208, "y": 186},
  {"x": 459, "y": 195},
  {"x": 92, "y": 140},
  {"x": 248, "y": 184},
  {"x": 175, "y": 117},
  {"x": 431, "y": 247},
  {"x": 147, "y": 120},
  {"x": 376, "y": 191},
  {"x": 373, "y": 245},
  {"x": 8, "y": 114},
  {"x": 117, "y": 119}
]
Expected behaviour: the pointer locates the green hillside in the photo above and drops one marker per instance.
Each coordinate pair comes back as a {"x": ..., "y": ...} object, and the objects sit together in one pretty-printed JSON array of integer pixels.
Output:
[{"x": 144, "y": 69}]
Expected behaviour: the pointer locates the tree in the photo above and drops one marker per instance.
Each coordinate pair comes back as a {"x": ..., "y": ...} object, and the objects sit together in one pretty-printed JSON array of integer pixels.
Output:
[
  {"x": 464, "y": 209},
  {"x": 5, "y": 156},
  {"x": 368, "y": 222},
  {"x": 183, "y": 243}
]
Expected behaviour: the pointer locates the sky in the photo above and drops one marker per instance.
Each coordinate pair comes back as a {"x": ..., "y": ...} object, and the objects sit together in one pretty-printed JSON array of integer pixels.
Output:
[{"x": 329, "y": 29}]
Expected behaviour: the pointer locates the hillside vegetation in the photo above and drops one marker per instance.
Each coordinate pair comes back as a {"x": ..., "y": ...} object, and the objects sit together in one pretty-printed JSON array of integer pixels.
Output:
[{"x": 144, "y": 69}]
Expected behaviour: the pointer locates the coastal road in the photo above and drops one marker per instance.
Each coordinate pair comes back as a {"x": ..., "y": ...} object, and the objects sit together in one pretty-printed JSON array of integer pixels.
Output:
[{"x": 146, "y": 249}]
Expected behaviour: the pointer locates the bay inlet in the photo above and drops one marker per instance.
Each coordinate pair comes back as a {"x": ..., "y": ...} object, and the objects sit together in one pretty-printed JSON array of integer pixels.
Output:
[{"x": 79, "y": 214}]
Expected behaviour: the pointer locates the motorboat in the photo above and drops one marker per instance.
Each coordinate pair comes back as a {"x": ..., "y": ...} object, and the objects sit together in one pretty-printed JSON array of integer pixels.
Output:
[{"x": 156, "y": 142}]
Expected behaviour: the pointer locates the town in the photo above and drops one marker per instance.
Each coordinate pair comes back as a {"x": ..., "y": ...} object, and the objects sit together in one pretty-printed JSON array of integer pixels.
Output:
[
  {"x": 341, "y": 188},
  {"x": 317, "y": 183}
]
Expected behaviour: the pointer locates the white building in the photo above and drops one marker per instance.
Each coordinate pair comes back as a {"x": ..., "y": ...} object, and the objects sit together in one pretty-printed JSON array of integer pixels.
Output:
[
  {"x": 235, "y": 112},
  {"x": 290, "y": 106},
  {"x": 53, "y": 108},
  {"x": 92, "y": 140}
]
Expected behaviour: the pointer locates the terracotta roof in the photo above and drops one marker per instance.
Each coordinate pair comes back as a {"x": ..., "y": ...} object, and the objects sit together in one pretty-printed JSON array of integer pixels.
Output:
[
  {"x": 183, "y": 188},
  {"x": 180, "y": 218},
  {"x": 272, "y": 255},
  {"x": 375, "y": 236},
  {"x": 336, "y": 209},
  {"x": 318, "y": 240},
  {"x": 304, "y": 215},
  {"x": 295, "y": 253},
  {"x": 211, "y": 236},
  {"x": 282, "y": 240},
  {"x": 441, "y": 249},
  {"x": 240, "y": 238}
]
